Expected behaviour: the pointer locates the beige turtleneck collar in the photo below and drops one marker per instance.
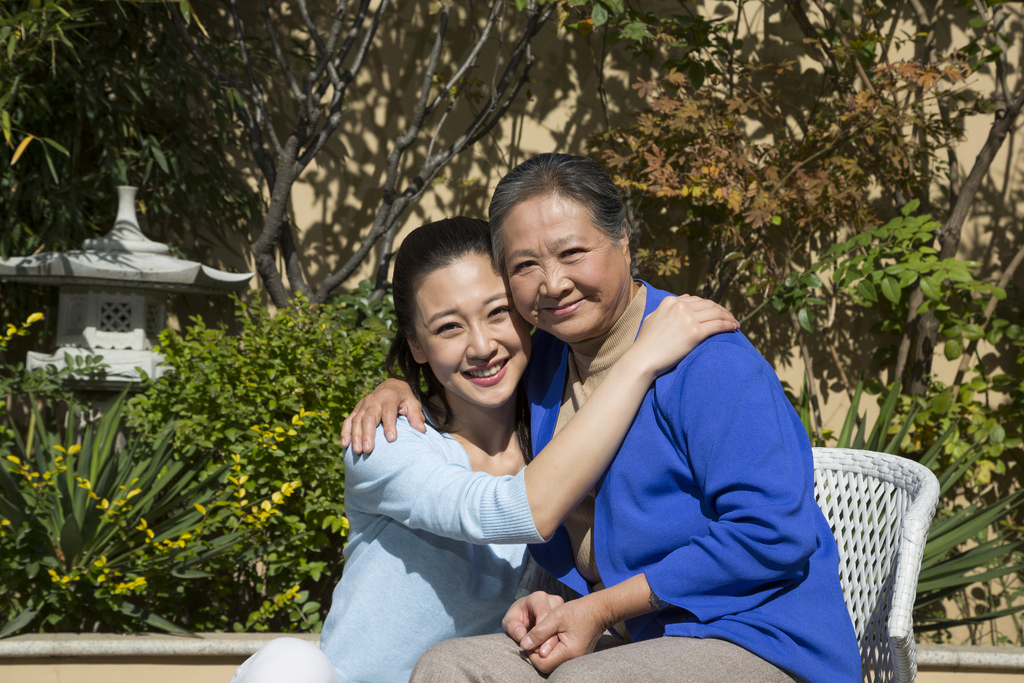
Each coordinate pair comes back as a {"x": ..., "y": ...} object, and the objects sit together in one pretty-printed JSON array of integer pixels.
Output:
[{"x": 589, "y": 362}]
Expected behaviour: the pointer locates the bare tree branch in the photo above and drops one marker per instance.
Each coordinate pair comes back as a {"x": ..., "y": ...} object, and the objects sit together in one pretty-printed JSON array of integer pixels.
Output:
[
  {"x": 389, "y": 212},
  {"x": 470, "y": 61},
  {"x": 346, "y": 77},
  {"x": 255, "y": 88},
  {"x": 278, "y": 53},
  {"x": 350, "y": 40}
]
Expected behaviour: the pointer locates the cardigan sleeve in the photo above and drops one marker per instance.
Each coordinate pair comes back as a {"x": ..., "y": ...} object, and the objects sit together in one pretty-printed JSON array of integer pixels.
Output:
[
  {"x": 414, "y": 481},
  {"x": 750, "y": 459}
]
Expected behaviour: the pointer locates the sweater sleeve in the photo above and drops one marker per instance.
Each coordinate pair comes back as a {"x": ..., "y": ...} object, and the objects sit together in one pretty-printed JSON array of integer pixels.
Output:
[
  {"x": 415, "y": 483},
  {"x": 750, "y": 458}
]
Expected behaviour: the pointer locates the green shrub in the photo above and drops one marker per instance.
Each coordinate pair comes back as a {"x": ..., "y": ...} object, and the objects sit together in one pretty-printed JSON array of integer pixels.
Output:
[
  {"x": 271, "y": 400},
  {"x": 93, "y": 537}
]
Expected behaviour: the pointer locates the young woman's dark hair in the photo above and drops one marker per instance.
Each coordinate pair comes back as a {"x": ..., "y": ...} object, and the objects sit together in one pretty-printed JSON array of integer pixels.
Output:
[{"x": 426, "y": 249}]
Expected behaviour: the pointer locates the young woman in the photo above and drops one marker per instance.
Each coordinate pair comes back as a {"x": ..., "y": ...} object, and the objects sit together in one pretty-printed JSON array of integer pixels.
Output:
[{"x": 422, "y": 508}]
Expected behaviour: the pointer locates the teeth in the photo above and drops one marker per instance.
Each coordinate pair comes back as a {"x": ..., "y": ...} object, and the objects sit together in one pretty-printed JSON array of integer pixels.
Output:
[{"x": 487, "y": 372}]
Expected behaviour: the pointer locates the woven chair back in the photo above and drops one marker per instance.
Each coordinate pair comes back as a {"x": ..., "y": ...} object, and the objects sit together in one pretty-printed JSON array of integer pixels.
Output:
[{"x": 879, "y": 507}]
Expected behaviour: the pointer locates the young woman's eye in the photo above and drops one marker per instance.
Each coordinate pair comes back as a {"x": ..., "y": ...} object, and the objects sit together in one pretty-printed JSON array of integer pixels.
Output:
[
  {"x": 500, "y": 311},
  {"x": 447, "y": 327}
]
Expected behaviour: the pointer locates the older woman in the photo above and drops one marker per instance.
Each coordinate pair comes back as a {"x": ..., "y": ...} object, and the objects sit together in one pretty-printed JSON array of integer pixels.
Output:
[{"x": 703, "y": 536}]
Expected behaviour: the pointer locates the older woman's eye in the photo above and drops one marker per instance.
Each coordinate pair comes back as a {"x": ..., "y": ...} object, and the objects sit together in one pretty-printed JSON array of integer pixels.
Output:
[{"x": 522, "y": 266}]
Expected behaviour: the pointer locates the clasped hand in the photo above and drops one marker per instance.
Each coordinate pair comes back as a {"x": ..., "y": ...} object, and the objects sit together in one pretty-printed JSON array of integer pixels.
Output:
[{"x": 552, "y": 631}]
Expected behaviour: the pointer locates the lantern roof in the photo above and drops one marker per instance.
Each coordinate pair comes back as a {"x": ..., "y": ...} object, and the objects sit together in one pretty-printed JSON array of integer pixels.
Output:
[{"x": 124, "y": 257}]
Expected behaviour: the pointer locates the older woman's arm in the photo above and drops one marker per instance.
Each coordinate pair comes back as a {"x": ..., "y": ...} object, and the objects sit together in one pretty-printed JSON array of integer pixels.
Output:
[{"x": 553, "y": 632}]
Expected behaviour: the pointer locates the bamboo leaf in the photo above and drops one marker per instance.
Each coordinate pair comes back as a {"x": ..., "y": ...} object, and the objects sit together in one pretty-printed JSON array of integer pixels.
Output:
[{"x": 21, "y": 149}]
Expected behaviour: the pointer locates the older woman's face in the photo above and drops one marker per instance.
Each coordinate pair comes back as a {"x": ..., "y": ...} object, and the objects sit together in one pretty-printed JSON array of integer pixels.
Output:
[{"x": 566, "y": 276}]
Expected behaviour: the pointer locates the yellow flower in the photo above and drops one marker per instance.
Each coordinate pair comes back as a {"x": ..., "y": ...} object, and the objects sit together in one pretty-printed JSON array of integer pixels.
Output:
[
  {"x": 201, "y": 509},
  {"x": 14, "y": 460},
  {"x": 35, "y": 317},
  {"x": 74, "y": 449},
  {"x": 132, "y": 493}
]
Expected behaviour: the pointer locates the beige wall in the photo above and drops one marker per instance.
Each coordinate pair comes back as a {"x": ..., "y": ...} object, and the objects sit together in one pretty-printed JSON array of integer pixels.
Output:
[{"x": 334, "y": 202}]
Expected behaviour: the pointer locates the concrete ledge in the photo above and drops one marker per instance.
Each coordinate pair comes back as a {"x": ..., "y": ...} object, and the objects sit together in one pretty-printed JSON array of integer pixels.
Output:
[
  {"x": 992, "y": 658},
  {"x": 139, "y": 644},
  {"x": 107, "y": 646}
]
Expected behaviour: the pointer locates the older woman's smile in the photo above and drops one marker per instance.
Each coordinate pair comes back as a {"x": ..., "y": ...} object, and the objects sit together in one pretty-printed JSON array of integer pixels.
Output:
[{"x": 567, "y": 276}]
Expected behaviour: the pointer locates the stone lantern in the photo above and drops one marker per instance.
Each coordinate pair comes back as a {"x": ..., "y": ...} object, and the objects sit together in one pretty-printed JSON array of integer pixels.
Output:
[{"x": 113, "y": 294}]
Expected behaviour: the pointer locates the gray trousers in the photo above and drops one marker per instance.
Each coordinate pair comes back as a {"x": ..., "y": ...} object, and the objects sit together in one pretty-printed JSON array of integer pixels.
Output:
[{"x": 497, "y": 659}]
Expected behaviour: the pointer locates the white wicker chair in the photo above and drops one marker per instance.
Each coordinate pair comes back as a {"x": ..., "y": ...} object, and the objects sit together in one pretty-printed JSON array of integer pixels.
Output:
[{"x": 880, "y": 507}]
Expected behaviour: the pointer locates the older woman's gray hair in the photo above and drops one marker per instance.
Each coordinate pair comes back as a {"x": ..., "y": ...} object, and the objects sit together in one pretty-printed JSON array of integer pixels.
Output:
[{"x": 579, "y": 179}]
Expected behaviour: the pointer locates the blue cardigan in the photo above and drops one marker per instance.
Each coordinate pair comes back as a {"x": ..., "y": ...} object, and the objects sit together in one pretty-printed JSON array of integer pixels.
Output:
[{"x": 712, "y": 497}]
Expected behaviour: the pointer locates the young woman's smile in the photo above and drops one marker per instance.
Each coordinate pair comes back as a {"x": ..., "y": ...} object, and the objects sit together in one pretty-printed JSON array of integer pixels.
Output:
[{"x": 468, "y": 332}]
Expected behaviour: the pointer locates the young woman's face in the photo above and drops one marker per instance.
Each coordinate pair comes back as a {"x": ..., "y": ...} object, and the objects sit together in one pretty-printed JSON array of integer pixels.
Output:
[
  {"x": 468, "y": 331},
  {"x": 567, "y": 276}
]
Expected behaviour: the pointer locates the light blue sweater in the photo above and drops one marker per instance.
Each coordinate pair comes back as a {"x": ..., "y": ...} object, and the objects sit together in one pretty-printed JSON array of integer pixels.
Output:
[{"x": 414, "y": 575}]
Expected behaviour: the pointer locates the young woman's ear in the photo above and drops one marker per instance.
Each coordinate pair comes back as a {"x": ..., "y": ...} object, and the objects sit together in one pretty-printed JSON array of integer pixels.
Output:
[{"x": 417, "y": 352}]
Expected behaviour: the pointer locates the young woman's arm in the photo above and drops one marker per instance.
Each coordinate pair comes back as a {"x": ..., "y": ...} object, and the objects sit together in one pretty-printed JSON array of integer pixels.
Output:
[
  {"x": 560, "y": 476},
  {"x": 569, "y": 466}
]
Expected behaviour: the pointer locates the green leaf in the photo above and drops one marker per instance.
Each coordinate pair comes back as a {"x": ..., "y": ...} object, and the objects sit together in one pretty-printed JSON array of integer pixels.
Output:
[
  {"x": 867, "y": 290},
  {"x": 930, "y": 287},
  {"x": 186, "y": 11},
  {"x": 70, "y": 540},
  {"x": 49, "y": 162},
  {"x": 973, "y": 332},
  {"x": 161, "y": 160},
  {"x": 804, "y": 317},
  {"x": 56, "y": 146},
  {"x": 891, "y": 289},
  {"x": 635, "y": 30},
  {"x": 148, "y": 617},
  {"x": 953, "y": 349},
  {"x": 978, "y": 22},
  {"x": 910, "y": 207},
  {"x": 19, "y": 622},
  {"x": 190, "y": 574},
  {"x": 599, "y": 14},
  {"x": 997, "y": 434}
]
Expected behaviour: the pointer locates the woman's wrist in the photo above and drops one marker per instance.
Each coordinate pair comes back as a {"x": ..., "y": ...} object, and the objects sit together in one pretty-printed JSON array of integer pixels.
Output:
[
  {"x": 629, "y": 599},
  {"x": 635, "y": 364}
]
